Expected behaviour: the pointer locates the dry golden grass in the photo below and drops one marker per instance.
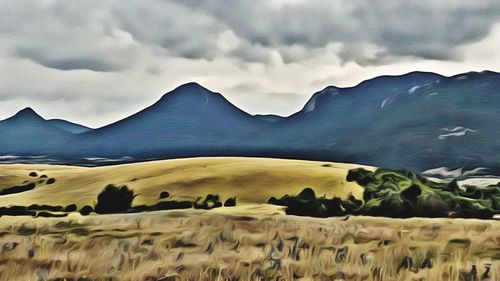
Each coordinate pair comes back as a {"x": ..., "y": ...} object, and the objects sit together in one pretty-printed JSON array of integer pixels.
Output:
[
  {"x": 252, "y": 241},
  {"x": 252, "y": 180},
  {"x": 207, "y": 245}
]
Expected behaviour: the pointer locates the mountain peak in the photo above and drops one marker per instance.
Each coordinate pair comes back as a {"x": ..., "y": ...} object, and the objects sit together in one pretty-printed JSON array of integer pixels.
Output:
[
  {"x": 191, "y": 86},
  {"x": 188, "y": 88},
  {"x": 190, "y": 92},
  {"x": 27, "y": 113}
]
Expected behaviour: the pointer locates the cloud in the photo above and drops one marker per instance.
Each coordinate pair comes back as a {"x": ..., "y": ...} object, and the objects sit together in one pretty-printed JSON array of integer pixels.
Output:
[
  {"x": 65, "y": 36},
  {"x": 422, "y": 29},
  {"x": 99, "y": 60}
]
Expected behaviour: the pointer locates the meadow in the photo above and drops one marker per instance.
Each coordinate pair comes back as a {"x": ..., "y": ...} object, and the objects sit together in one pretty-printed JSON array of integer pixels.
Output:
[
  {"x": 238, "y": 244},
  {"x": 251, "y": 180},
  {"x": 252, "y": 241}
]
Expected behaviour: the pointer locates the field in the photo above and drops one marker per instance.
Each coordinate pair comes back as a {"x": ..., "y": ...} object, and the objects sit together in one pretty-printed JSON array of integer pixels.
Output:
[
  {"x": 251, "y": 180},
  {"x": 213, "y": 245},
  {"x": 252, "y": 241}
]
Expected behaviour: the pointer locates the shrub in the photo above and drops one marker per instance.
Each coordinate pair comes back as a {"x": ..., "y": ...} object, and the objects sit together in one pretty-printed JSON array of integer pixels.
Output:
[
  {"x": 35, "y": 207},
  {"x": 16, "y": 211},
  {"x": 86, "y": 210},
  {"x": 17, "y": 189},
  {"x": 307, "y": 204},
  {"x": 51, "y": 181},
  {"x": 210, "y": 202},
  {"x": 400, "y": 193},
  {"x": 33, "y": 174},
  {"x": 230, "y": 202},
  {"x": 114, "y": 200},
  {"x": 70, "y": 208},
  {"x": 164, "y": 194}
]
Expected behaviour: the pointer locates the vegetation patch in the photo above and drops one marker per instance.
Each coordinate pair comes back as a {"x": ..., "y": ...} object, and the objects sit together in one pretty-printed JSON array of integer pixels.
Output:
[
  {"x": 18, "y": 189},
  {"x": 398, "y": 194},
  {"x": 113, "y": 200}
]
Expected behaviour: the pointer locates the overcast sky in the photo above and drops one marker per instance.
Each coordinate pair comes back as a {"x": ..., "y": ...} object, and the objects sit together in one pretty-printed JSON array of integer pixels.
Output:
[{"x": 94, "y": 62}]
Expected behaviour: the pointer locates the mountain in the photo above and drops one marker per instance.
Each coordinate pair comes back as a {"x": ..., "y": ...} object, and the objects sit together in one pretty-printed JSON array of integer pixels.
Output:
[
  {"x": 417, "y": 121},
  {"x": 68, "y": 126},
  {"x": 188, "y": 121},
  {"x": 27, "y": 133}
]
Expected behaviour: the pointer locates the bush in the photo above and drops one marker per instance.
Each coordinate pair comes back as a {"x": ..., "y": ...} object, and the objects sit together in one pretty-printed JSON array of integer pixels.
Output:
[
  {"x": 35, "y": 207},
  {"x": 164, "y": 194},
  {"x": 230, "y": 202},
  {"x": 307, "y": 204},
  {"x": 16, "y": 211},
  {"x": 51, "y": 181},
  {"x": 70, "y": 208},
  {"x": 33, "y": 174},
  {"x": 400, "y": 193},
  {"x": 210, "y": 202},
  {"x": 161, "y": 206},
  {"x": 17, "y": 189},
  {"x": 86, "y": 210},
  {"x": 114, "y": 200}
]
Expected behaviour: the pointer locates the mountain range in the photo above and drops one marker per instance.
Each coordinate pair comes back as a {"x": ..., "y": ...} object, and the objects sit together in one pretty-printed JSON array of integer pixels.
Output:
[{"x": 417, "y": 121}]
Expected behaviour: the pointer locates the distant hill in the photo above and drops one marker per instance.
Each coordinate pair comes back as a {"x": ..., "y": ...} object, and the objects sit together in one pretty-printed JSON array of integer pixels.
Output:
[
  {"x": 415, "y": 121},
  {"x": 68, "y": 126}
]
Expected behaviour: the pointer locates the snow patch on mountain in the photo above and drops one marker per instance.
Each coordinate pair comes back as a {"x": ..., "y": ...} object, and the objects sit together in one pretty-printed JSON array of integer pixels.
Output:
[
  {"x": 413, "y": 89},
  {"x": 311, "y": 104},
  {"x": 416, "y": 88},
  {"x": 455, "y": 132}
]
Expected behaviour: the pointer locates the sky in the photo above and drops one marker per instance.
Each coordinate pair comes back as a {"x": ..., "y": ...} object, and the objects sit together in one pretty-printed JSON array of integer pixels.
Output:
[{"x": 95, "y": 62}]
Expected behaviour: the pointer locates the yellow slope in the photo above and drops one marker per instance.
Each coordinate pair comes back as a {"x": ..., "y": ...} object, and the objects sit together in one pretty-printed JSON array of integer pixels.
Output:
[{"x": 251, "y": 180}]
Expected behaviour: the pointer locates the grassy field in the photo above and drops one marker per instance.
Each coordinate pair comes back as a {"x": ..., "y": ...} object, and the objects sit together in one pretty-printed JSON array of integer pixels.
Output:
[
  {"x": 252, "y": 241},
  {"x": 251, "y": 180},
  {"x": 213, "y": 245}
]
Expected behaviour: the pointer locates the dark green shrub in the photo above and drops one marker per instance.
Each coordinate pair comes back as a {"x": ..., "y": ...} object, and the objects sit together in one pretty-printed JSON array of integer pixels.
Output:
[
  {"x": 164, "y": 194},
  {"x": 51, "y": 180},
  {"x": 230, "y": 202},
  {"x": 33, "y": 174},
  {"x": 49, "y": 208},
  {"x": 16, "y": 211},
  {"x": 210, "y": 202},
  {"x": 399, "y": 193},
  {"x": 86, "y": 210},
  {"x": 114, "y": 200},
  {"x": 306, "y": 204},
  {"x": 70, "y": 208},
  {"x": 17, "y": 189}
]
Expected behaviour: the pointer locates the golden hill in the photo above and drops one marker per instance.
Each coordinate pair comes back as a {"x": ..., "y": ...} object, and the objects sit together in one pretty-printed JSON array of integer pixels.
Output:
[{"x": 251, "y": 180}]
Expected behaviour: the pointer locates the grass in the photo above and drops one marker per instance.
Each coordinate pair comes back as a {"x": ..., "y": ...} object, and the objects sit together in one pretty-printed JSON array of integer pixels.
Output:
[
  {"x": 252, "y": 241},
  {"x": 251, "y": 180},
  {"x": 213, "y": 245}
]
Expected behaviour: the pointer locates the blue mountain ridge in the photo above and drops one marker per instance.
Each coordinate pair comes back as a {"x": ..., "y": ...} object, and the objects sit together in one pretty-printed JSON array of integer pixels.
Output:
[{"x": 417, "y": 121}]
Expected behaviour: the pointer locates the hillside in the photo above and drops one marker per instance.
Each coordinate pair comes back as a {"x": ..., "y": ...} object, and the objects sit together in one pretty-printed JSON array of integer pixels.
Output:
[{"x": 251, "y": 180}]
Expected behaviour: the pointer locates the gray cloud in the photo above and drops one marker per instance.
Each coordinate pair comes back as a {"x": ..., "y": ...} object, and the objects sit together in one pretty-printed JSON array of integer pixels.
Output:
[
  {"x": 77, "y": 35},
  {"x": 65, "y": 35},
  {"x": 267, "y": 56}
]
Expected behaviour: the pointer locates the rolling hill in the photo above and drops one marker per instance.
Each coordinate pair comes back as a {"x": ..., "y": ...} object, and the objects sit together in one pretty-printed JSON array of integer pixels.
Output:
[{"x": 251, "y": 180}]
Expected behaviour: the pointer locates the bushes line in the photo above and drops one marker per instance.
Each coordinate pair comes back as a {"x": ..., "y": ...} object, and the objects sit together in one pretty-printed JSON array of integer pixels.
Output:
[
  {"x": 399, "y": 194},
  {"x": 114, "y": 200}
]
